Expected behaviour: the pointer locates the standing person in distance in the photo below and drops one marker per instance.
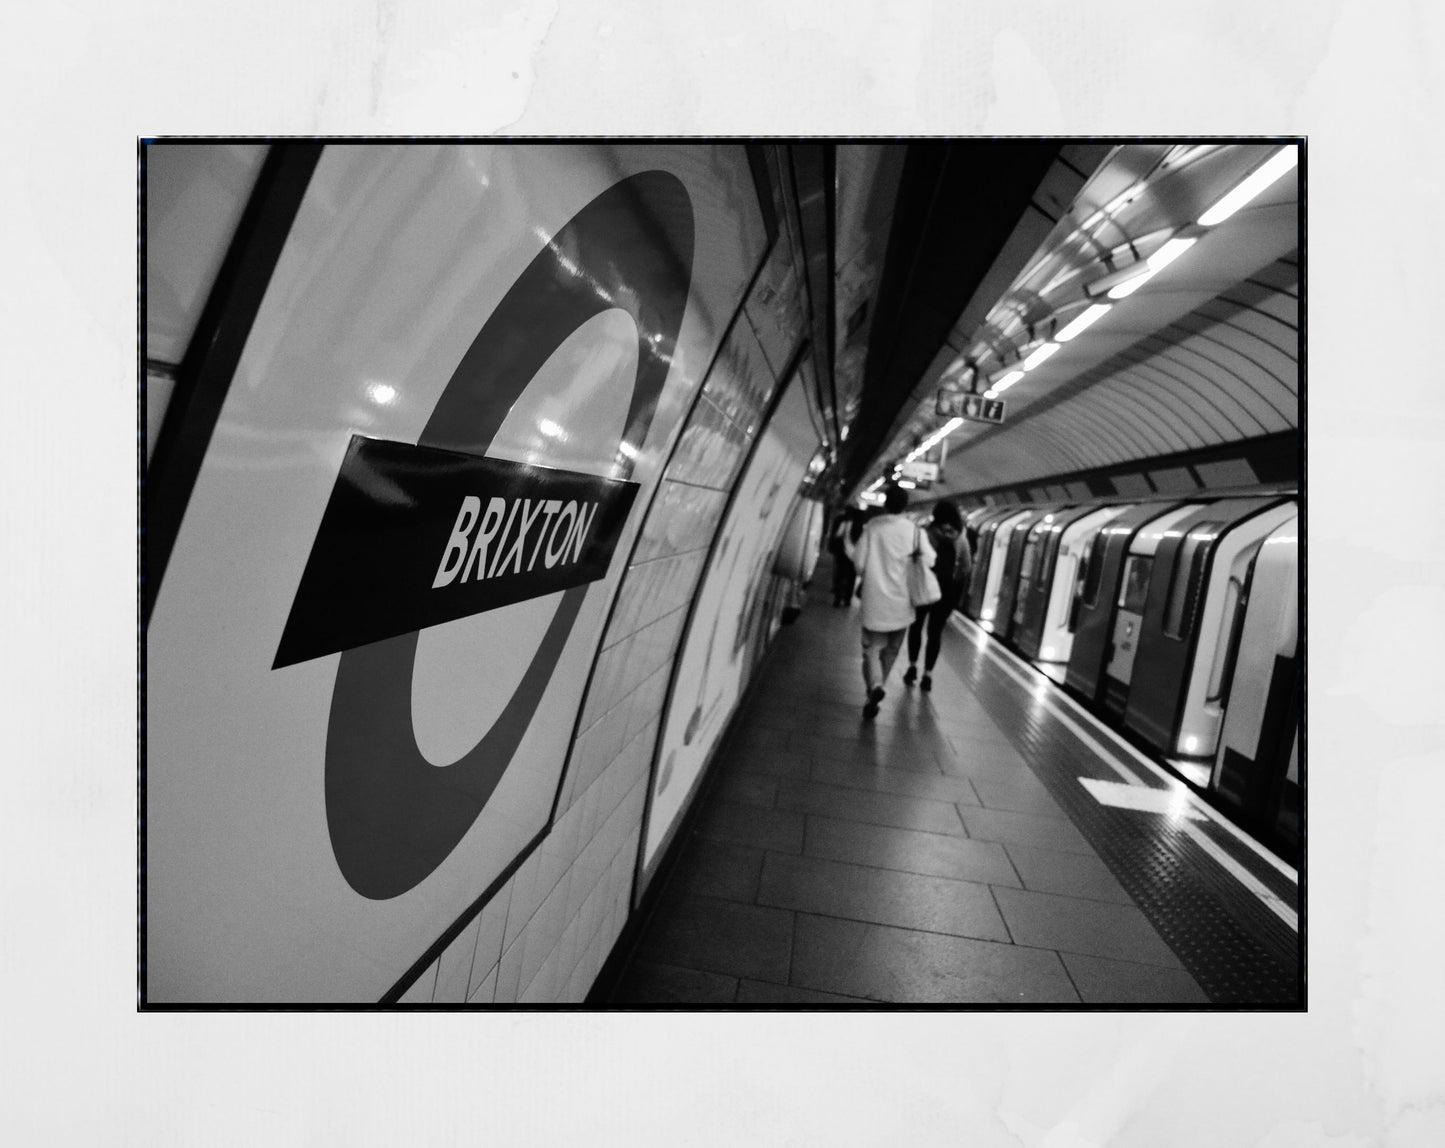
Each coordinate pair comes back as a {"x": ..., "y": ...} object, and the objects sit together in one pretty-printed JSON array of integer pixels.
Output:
[
  {"x": 884, "y": 552},
  {"x": 840, "y": 546},
  {"x": 952, "y": 568}
]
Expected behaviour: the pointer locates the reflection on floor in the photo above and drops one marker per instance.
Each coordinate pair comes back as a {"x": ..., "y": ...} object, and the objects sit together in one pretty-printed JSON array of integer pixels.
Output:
[{"x": 946, "y": 853}]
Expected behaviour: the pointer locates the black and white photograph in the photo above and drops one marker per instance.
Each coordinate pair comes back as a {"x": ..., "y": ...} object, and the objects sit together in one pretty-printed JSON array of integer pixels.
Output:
[
  {"x": 819, "y": 574},
  {"x": 494, "y": 495}
]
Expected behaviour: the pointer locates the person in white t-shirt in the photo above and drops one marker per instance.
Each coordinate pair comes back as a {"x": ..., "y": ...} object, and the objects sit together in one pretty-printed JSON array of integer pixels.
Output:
[{"x": 883, "y": 555}]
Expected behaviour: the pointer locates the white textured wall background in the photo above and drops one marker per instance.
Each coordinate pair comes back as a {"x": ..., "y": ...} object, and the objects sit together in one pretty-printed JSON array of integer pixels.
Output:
[{"x": 80, "y": 80}]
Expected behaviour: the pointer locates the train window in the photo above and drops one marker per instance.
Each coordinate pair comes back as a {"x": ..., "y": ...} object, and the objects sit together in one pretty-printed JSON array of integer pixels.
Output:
[
  {"x": 1094, "y": 570},
  {"x": 1029, "y": 566},
  {"x": 1185, "y": 590},
  {"x": 1051, "y": 548},
  {"x": 1236, "y": 631},
  {"x": 1136, "y": 583}
]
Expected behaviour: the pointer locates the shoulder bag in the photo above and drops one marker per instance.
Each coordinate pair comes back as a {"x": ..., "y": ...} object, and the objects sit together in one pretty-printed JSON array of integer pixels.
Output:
[{"x": 922, "y": 584}]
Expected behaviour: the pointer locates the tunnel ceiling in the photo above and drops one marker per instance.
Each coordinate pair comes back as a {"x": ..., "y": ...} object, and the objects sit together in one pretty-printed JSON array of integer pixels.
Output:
[
  {"x": 1205, "y": 353},
  {"x": 955, "y": 212}
]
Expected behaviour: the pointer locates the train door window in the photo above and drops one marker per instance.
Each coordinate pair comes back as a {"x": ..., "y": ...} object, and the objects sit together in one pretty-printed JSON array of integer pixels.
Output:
[
  {"x": 1051, "y": 548},
  {"x": 1236, "y": 606},
  {"x": 1086, "y": 586},
  {"x": 1093, "y": 572},
  {"x": 1136, "y": 583},
  {"x": 1029, "y": 566},
  {"x": 1186, "y": 589}
]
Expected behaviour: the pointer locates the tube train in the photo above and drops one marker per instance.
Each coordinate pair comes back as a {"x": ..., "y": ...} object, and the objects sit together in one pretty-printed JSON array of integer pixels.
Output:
[{"x": 1176, "y": 620}]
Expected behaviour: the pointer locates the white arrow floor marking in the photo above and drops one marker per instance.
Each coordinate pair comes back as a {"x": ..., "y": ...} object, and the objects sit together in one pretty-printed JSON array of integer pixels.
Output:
[{"x": 1141, "y": 798}]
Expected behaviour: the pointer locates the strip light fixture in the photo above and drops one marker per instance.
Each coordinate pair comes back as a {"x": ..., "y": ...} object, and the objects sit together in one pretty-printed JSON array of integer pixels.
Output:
[
  {"x": 1121, "y": 284},
  {"x": 1282, "y": 161},
  {"x": 1002, "y": 384},
  {"x": 936, "y": 437},
  {"x": 1090, "y": 316},
  {"x": 1161, "y": 259},
  {"x": 1033, "y": 359},
  {"x": 1038, "y": 355}
]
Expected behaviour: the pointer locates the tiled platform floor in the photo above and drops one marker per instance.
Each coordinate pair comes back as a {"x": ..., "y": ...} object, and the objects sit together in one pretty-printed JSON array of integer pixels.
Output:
[{"x": 926, "y": 857}]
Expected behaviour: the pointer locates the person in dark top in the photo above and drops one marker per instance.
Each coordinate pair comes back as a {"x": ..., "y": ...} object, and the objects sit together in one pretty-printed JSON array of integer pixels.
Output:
[
  {"x": 952, "y": 568},
  {"x": 840, "y": 545}
]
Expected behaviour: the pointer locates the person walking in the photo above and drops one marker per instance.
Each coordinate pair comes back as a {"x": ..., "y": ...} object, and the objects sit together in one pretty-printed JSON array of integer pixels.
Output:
[
  {"x": 840, "y": 546},
  {"x": 952, "y": 568},
  {"x": 883, "y": 554}
]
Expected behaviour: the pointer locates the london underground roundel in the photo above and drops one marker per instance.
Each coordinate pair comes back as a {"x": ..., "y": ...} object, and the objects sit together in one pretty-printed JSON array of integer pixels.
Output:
[{"x": 453, "y": 532}]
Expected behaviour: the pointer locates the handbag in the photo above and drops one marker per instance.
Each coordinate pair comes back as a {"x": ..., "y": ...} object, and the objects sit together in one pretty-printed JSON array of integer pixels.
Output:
[{"x": 922, "y": 583}]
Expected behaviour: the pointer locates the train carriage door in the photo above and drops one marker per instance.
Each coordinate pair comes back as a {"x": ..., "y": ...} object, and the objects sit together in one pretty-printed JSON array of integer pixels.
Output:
[
  {"x": 1066, "y": 588},
  {"x": 988, "y": 609},
  {"x": 1025, "y": 551},
  {"x": 983, "y": 557},
  {"x": 1093, "y": 614},
  {"x": 1036, "y": 580},
  {"x": 1201, "y": 564},
  {"x": 1133, "y": 597},
  {"x": 1261, "y": 689}
]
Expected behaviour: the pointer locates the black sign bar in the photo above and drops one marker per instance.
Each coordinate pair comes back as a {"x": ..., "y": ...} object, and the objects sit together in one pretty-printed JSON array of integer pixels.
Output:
[
  {"x": 415, "y": 536},
  {"x": 974, "y": 407}
]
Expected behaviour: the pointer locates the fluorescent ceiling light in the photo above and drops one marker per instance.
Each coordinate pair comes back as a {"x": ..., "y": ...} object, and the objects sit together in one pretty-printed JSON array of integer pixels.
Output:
[
  {"x": 1040, "y": 355},
  {"x": 1090, "y": 316},
  {"x": 1169, "y": 252},
  {"x": 1115, "y": 279},
  {"x": 1161, "y": 259},
  {"x": 1282, "y": 161},
  {"x": 942, "y": 433},
  {"x": 906, "y": 484},
  {"x": 932, "y": 440},
  {"x": 1129, "y": 286},
  {"x": 1003, "y": 384}
]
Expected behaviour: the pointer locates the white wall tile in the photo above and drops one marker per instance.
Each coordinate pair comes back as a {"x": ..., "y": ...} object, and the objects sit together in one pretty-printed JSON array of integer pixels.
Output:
[
  {"x": 508, "y": 972},
  {"x": 491, "y": 928},
  {"x": 454, "y": 966},
  {"x": 519, "y": 906},
  {"x": 486, "y": 990},
  {"x": 585, "y": 874},
  {"x": 543, "y": 986},
  {"x": 683, "y": 518},
  {"x": 545, "y": 930}
]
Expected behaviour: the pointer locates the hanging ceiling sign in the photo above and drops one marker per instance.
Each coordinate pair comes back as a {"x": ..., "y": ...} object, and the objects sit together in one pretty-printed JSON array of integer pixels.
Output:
[{"x": 973, "y": 407}]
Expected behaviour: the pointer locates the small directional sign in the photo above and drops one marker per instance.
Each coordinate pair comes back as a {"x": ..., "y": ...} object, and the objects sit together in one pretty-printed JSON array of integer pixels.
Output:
[{"x": 974, "y": 407}]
